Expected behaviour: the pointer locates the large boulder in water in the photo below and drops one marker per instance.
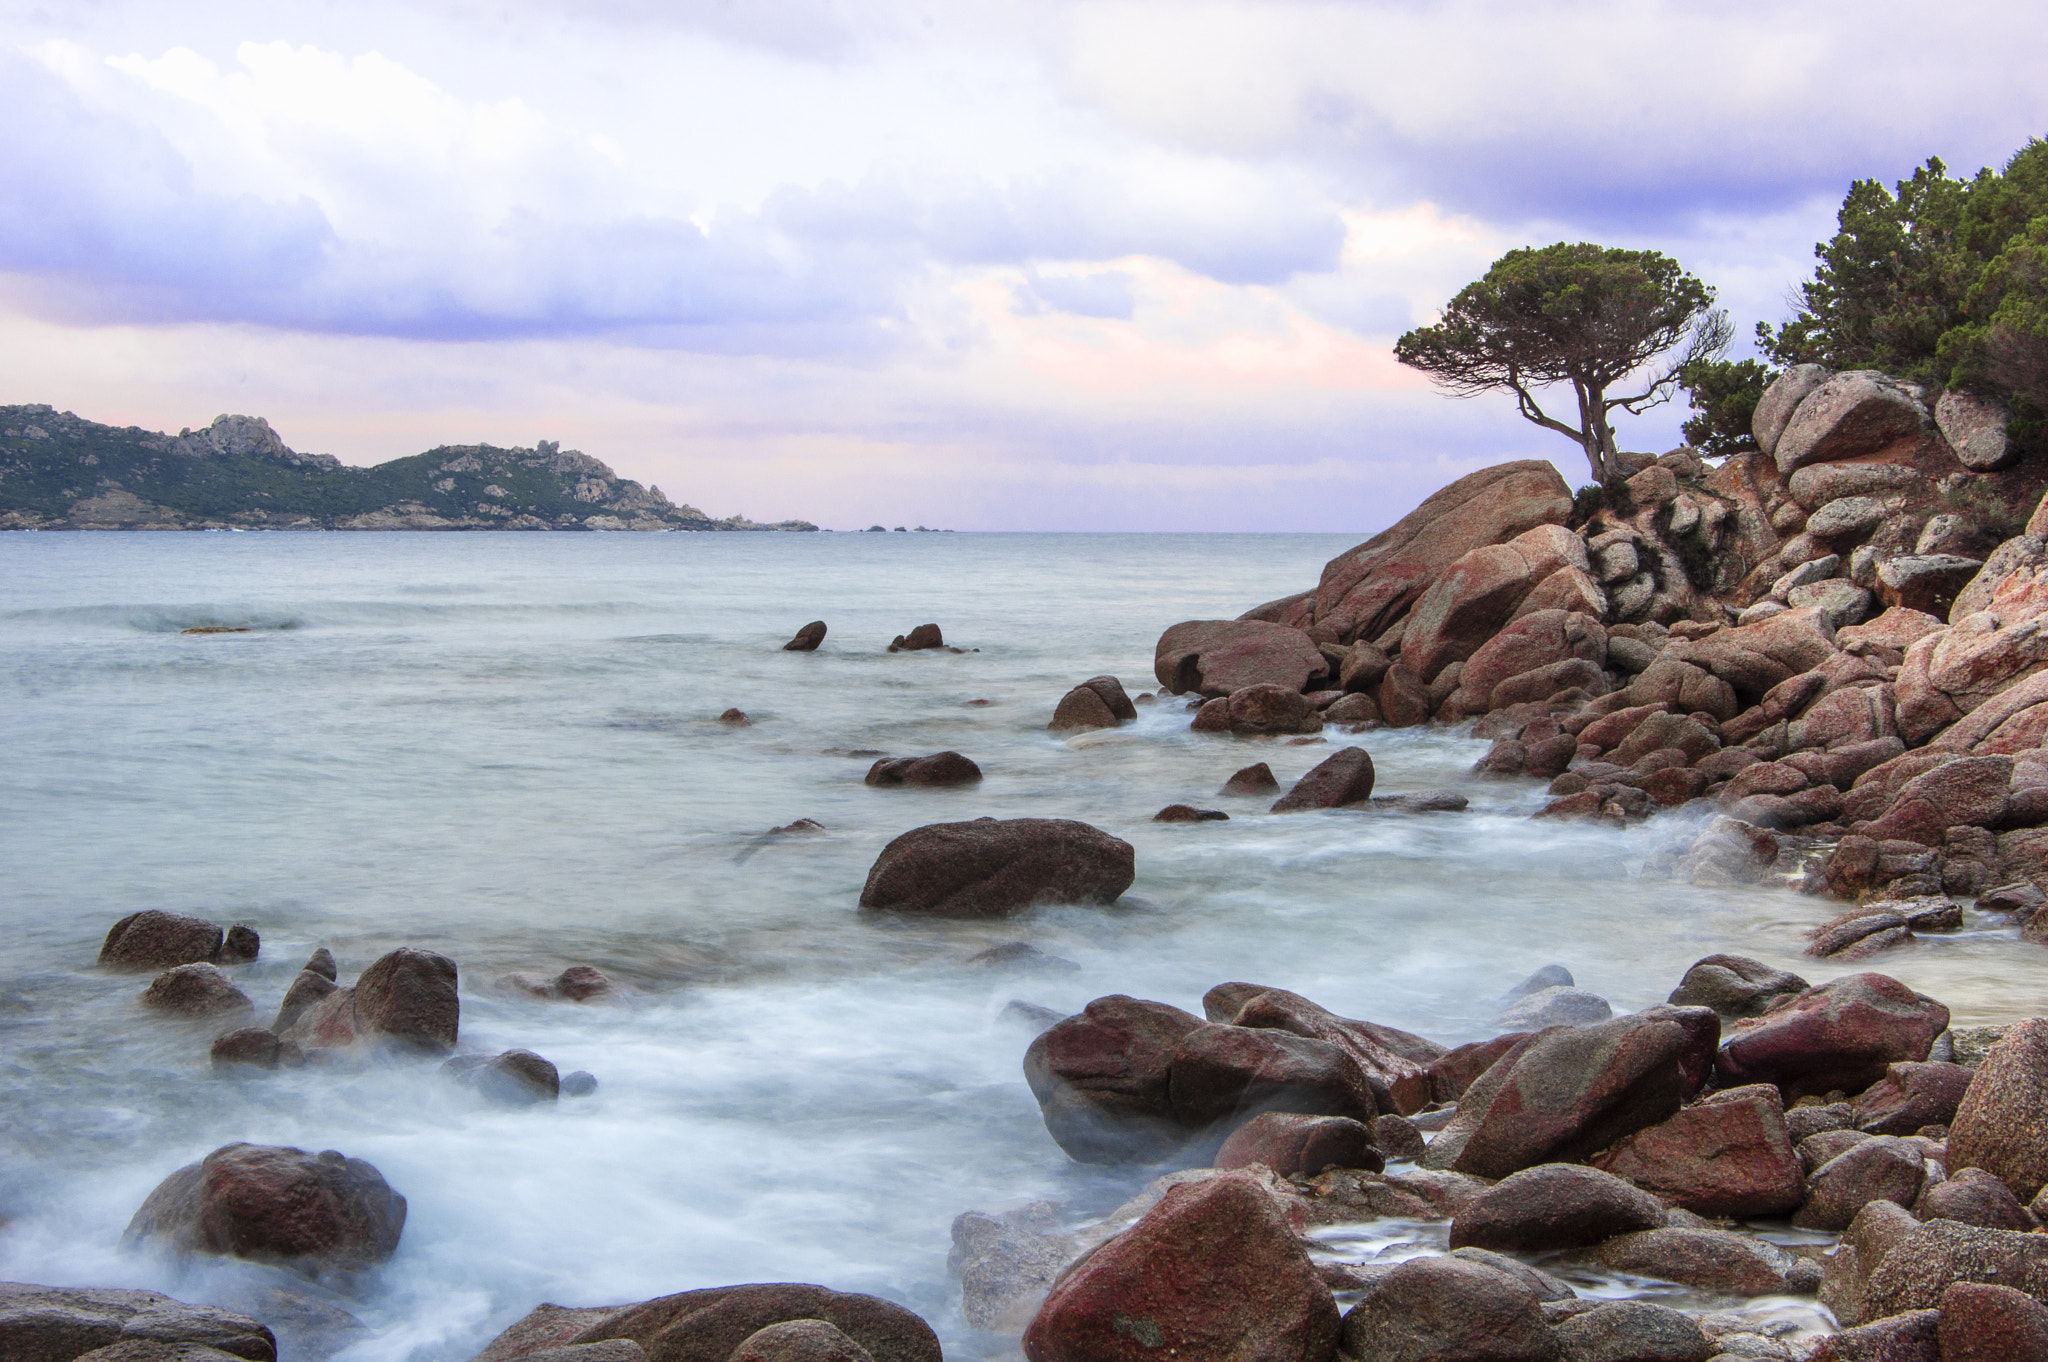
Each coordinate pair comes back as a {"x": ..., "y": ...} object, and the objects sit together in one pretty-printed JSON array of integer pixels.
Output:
[
  {"x": 709, "y": 1325},
  {"x": 409, "y": 996},
  {"x": 309, "y": 1211},
  {"x": 990, "y": 867},
  {"x": 1842, "y": 1035},
  {"x": 1365, "y": 590},
  {"x": 1565, "y": 1093},
  {"x": 1213, "y": 1273},
  {"x": 1102, "y": 1080},
  {"x": 156, "y": 940},
  {"x": 1216, "y": 657},
  {"x": 59, "y": 1323},
  {"x": 1098, "y": 702},
  {"x": 198, "y": 991}
]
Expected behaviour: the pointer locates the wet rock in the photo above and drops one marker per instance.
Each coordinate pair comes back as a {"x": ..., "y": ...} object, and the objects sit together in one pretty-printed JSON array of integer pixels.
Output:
[
  {"x": 581, "y": 983},
  {"x": 1224, "y": 1072},
  {"x": 1393, "y": 1062},
  {"x": 1633, "y": 1331},
  {"x": 1983, "y": 1323},
  {"x": 1854, "y": 413},
  {"x": 917, "y": 640},
  {"x": 311, "y": 1212},
  {"x": 1548, "y": 977},
  {"x": 990, "y": 867},
  {"x": 1422, "y": 801},
  {"x": 1266, "y": 708},
  {"x": 1566, "y": 1093},
  {"x": 306, "y": 990},
  {"x": 408, "y": 997},
  {"x": 1102, "y": 1080},
  {"x": 1554, "y": 1206},
  {"x": 1911, "y": 1337},
  {"x": 1254, "y": 779},
  {"x": 321, "y": 962},
  {"x": 241, "y": 945},
  {"x": 799, "y": 1340},
  {"x": 1005, "y": 1266},
  {"x": 1859, "y": 935},
  {"x": 1188, "y": 813},
  {"x": 58, "y": 1324},
  {"x": 1735, "y": 985},
  {"x": 252, "y": 1047},
  {"x": 1910, "y": 1096},
  {"x": 1970, "y": 791},
  {"x": 1213, "y": 1273},
  {"x": 708, "y": 1325},
  {"x": 1881, "y": 1168},
  {"x": 807, "y": 638},
  {"x": 938, "y": 769},
  {"x": 1842, "y": 1035},
  {"x": 1974, "y": 427},
  {"x": 1216, "y": 657},
  {"x": 802, "y": 827},
  {"x": 1020, "y": 955},
  {"x": 1345, "y": 777},
  {"x": 1360, "y": 710},
  {"x": 1705, "y": 1259},
  {"x": 156, "y": 940},
  {"x": 581, "y": 1083},
  {"x": 1555, "y": 1007},
  {"x": 1730, "y": 1154},
  {"x": 1449, "y": 1308},
  {"x": 735, "y": 718},
  {"x": 197, "y": 991},
  {"x": 516, "y": 1078},
  {"x": 1098, "y": 702},
  {"x": 1291, "y": 1142},
  {"x": 2001, "y": 1125},
  {"x": 1925, "y": 1261},
  {"x": 1975, "y": 1197},
  {"x": 1455, "y": 1072}
]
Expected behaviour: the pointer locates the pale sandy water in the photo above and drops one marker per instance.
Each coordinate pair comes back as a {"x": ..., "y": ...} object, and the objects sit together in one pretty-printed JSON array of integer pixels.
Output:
[{"x": 504, "y": 748}]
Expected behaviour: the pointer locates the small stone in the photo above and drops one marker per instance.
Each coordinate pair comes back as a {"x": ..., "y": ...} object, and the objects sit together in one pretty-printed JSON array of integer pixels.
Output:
[
  {"x": 735, "y": 718},
  {"x": 1188, "y": 813}
]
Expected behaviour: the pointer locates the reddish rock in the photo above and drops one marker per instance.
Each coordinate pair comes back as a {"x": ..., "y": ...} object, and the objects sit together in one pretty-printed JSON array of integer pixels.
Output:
[
  {"x": 1101, "y": 1080},
  {"x": 735, "y": 718},
  {"x": 1982, "y": 1323},
  {"x": 1975, "y": 1197},
  {"x": 251, "y": 1047},
  {"x": 307, "y": 990},
  {"x": 1397, "y": 1137},
  {"x": 1469, "y": 602},
  {"x": 1911, "y": 1337},
  {"x": 1345, "y": 777},
  {"x": 1729, "y": 1155},
  {"x": 794, "y": 1340},
  {"x": 807, "y": 638},
  {"x": 1268, "y": 708},
  {"x": 1881, "y": 1168},
  {"x": 1554, "y": 1206},
  {"x": 938, "y": 769},
  {"x": 2001, "y": 1125},
  {"x": 1454, "y": 1072},
  {"x": 1971, "y": 791},
  {"x": 1910, "y": 1096},
  {"x": 1535, "y": 641},
  {"x": 241, "y": 945},
  {"x": 1394, "y": 1062},
  {"x": 408, "y": 997},
  {"x": 516, "y": 1078},
  {"x": 1216, "y": 657},
  {"x": 1928, "y": 1259},
  {"x": 198, "y": 991},
  {"x": 917, "y": 640},
  {"x": 1854, "y": 413},
  {"x": 1291, "y": 1142},
  {"x": 1213, "y": 1273},
  {"x": 312, "y": 1211},
  {"x": 1842, "y": 1035},
  {"x": 1567, "y": 1093},
  {"x": 156, "y": 940},
  {"x": 990, "y": 868},
  {"x": 1188, "y": 813},
  {"x": 1222, "y": 1072},
  {"x": 1735, "y": 985},
  {"x": 710, "y": 1325},
  {"x": 1098, "y": 702},
  {"x": 1367, "y": 589},
  {"x": 1403, "y": 698},
  {"x": 1449, "y": 1308},
  {"x": 1254, "y": 779},
  {"x": 1705, "y": 1259}
]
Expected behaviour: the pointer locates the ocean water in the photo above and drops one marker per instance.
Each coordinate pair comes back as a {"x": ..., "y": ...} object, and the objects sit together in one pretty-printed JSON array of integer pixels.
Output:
[{"x": 506, "y": 748}]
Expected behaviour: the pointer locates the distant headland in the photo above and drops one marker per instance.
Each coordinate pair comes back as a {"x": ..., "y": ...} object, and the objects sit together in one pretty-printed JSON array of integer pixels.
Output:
[{"x": 59, "y": 471}]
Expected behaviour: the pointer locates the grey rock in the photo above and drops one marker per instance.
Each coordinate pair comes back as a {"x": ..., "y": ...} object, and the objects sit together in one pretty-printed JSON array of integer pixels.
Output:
[
  {"x": 1846, "y": 516},
  {"x": 57, "y": 1324},
  {"x": 1844, "y": 603},
  {"x": 1974, "y": 427},
  {"x": 1817, "y": 570},
  {"x": 1780, "y": 400},
  {"x": 1555, "y": 1007},
  {"x": 1853, "y": 413}
]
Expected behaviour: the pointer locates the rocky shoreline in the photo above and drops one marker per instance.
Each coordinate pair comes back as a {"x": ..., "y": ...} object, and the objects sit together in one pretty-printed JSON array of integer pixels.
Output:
[{"x": 1828, "y": 654}]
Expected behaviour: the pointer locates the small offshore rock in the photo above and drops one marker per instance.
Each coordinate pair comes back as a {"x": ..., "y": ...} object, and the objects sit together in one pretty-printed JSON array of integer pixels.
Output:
[
  {"x": 1345, "y": 777},
  {"x": 988, "y": 868},
  {"x": 735, "y": 718},
  {"x": 937, "y": 770},
  {"x": 409, "y": 996},
  {"x": 1555, "y": 1007},
  {"x": 807, "y": 638},
  {"x": 252, "y": 1047},
  {"x": 1254, "y": 779},
  {"x": 1735, "y": 986},
  {"x": 198, "y": 991},
  {"x": 241, "y": 945},
  {"x": 157, "y": 940},
  {"x": 516, "y": 1078},
  {"x": 321, "y": 962},
  {"x": 1020, "y": 955},
  {"x": 1098, "y": 702},
  {"x": 801, "y": 827},
  {"x": 922, "y": 637},
  {"x": 581, "y": 1083},
  {"x": 1188, "y": 813}
]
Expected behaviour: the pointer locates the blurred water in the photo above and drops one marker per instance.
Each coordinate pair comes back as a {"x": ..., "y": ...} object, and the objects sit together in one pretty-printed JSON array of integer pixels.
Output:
[{"x": 505, "y": 748}]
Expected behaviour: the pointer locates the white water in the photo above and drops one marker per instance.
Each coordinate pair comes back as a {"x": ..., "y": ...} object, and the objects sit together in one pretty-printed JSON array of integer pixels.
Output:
[{"x": 504, "y": 748}]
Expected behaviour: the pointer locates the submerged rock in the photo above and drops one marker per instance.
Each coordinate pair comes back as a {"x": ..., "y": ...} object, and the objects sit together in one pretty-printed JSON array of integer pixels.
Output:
[
  {"x": 198, "y": 991},
  {"x": 157, "y": 940},
  {"x": 807, "y": 638},
  {"x": 938, "y": 769},
  {"x": 1254, "y": 779},
  {"x": 1102, "y": 1080},
  {"x": 1292, "y": 1142}
]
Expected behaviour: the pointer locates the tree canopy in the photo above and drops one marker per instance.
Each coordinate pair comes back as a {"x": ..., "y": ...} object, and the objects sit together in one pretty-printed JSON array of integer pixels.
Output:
[{"x": 1585, "y": 315}]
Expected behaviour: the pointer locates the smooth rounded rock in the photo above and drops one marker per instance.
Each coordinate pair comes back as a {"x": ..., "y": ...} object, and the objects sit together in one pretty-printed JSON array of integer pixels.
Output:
[
  {"x": 157, "y": 940},
  {"x": 1554, "y": 1206},
  {"x": 991, "y": 868},
  {"x": 270, "y": 1203},
  {"x": 2001, "y": 1125}
]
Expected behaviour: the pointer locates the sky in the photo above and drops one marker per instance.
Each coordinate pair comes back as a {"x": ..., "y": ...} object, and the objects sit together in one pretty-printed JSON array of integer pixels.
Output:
[{"x": 1058, "y": 265}]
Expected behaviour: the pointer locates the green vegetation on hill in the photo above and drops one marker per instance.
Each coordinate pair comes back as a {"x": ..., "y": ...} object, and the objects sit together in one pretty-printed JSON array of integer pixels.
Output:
[{"x": 59, "y": 471}]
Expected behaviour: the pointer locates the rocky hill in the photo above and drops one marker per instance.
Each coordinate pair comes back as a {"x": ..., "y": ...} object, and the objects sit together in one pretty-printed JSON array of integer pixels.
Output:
[{"x": 59, "y": 471}]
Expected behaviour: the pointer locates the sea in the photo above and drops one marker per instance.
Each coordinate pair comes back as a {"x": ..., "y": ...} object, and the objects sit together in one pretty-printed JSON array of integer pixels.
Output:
[{"x": 507, "y": 748}]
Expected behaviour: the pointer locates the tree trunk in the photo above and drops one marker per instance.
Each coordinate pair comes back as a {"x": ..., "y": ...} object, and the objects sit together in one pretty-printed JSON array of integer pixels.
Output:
[{"x": 1596, "y": 437}]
